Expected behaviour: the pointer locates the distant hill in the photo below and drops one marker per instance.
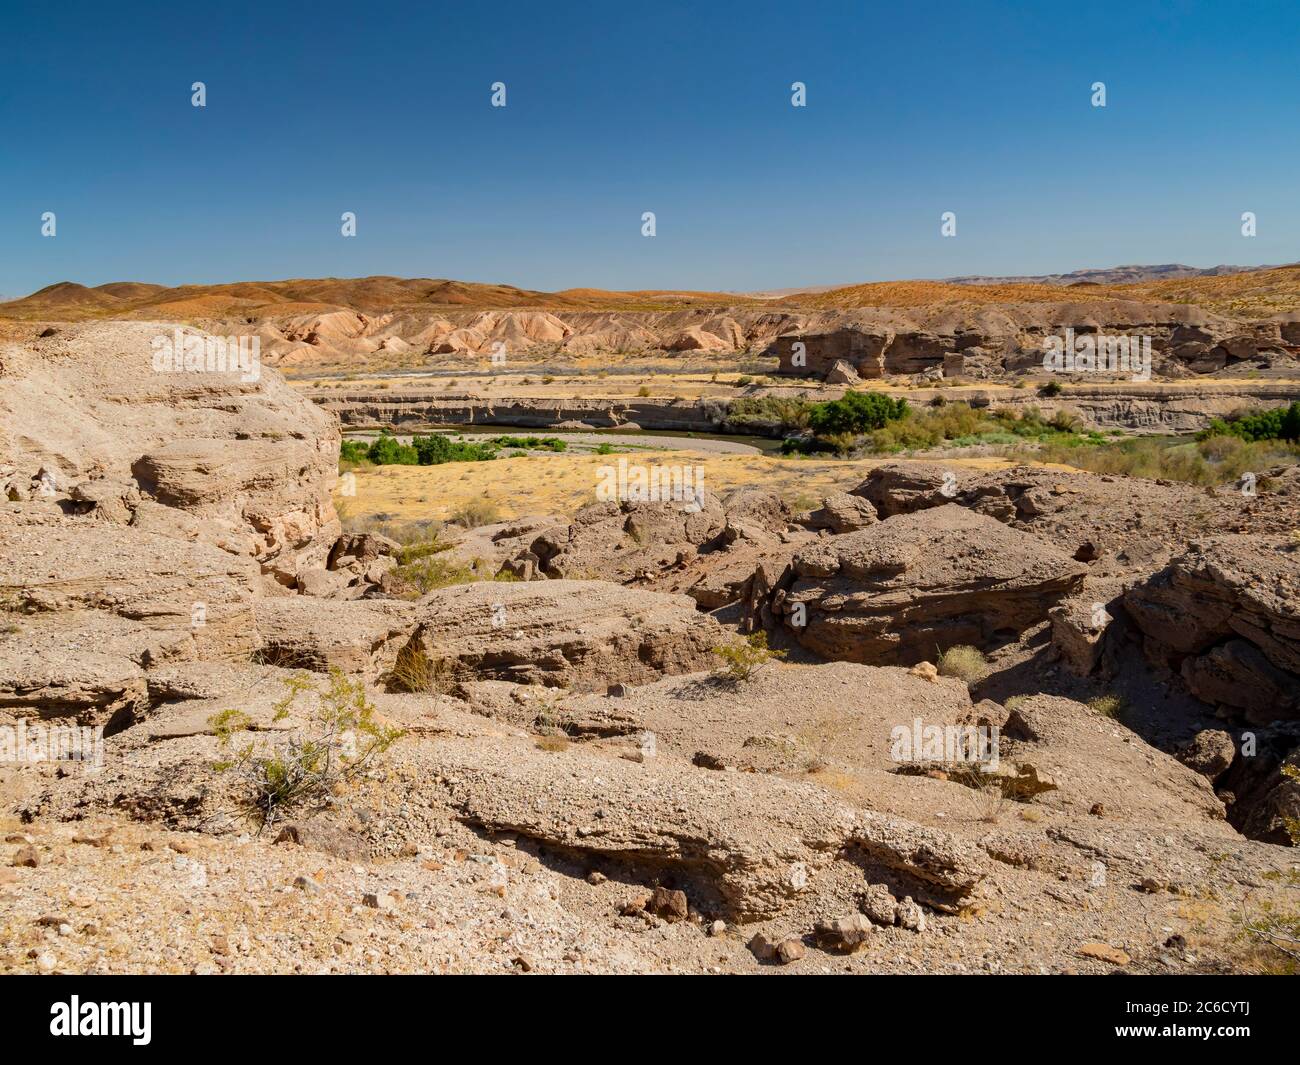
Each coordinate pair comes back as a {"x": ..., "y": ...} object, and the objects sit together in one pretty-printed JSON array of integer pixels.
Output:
[
  {"x": 1114, "y": 275},
  {"x": 68, "y": 301},
  {"x": 1257, "y": 291}
]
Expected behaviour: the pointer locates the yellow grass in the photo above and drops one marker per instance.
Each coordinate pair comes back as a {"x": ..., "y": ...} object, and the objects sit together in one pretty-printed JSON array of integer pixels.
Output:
[{"x": 562, "y": 484}]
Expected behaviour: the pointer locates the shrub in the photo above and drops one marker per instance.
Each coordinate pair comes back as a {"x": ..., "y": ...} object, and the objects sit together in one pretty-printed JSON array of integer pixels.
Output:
[
  {"x": 964, "y": 662},
  {"x": 741, "y": 660},
  {"x": 1281, "y": 423},
  {"x": 476, "y": 512},
  {"x": 1052, "y": 388},
  {"x": 414, "y": 671},
  {"x": 856, "y": 412},
  {"x": 339, "y": 740},
  {"x": 1111, "y": 706}
]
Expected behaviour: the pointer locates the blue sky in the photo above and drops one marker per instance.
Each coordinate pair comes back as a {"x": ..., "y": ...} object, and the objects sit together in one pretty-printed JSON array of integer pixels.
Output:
[{"x": 615, "y": 109}]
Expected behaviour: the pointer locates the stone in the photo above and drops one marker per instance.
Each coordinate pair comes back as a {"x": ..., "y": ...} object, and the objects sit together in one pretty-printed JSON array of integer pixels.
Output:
[
  {"x": 1104, "y": 952},
  {"x": 844, "y": 934},
  {"x": 670, "y": 905}
]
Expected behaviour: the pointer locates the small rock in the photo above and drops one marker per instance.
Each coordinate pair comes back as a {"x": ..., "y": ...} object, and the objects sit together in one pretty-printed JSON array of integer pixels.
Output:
[
  {"x": 789, "y": 950},
  {"x": 878, "y": 904},
  {"x": 670, "y": 905},
  {"x": 717, "y": 928},
  {"x": 910, "y": 915},
  {"x": 596, "y": 877},
  {"x": 1104, "y": 952},
  {"x": 46, "y": 962},
  {"x": 784, "y": 951},
  {"x": 926, "y": 670},
  {"x": 26, "y": 857},
  {"x": 845, "y": 934},
  {"x": 523, "y": 963},
  {"x": 377, "y": 902},
  {"x": 306, "y": 883}
]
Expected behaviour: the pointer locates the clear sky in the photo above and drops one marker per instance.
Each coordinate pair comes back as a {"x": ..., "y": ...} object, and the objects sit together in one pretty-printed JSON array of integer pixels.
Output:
[{"x": 618, "y": 108}]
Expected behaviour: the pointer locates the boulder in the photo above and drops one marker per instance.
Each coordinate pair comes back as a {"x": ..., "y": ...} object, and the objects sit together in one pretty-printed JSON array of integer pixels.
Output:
[
  {"x": 573, "y": 634},
  {"x": 896, "y": 592}
]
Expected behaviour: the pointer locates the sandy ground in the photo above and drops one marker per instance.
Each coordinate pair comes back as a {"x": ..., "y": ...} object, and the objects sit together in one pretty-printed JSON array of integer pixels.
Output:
[{"x": 562, "y": 484}]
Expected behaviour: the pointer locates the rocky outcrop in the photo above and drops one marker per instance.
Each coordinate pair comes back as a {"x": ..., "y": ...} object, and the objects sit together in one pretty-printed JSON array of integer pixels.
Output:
[
  {"x": 904, "y": 589},
  {"x": 573, "y": 634},
  {"x": 230, "y": 457},
  {"x": 1225, "y": 615}
]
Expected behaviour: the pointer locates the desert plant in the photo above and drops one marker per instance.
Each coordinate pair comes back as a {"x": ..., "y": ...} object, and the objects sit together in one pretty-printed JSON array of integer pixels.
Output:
[
  {"x": 1111, "y": 706},
  {"x": 476, "y": 512},
  {"x": 964, "y": 662},
  {"x": 414, "y": 671},
  {"x": 741, "y": 660},
  {"x": 340, "y": 738}
]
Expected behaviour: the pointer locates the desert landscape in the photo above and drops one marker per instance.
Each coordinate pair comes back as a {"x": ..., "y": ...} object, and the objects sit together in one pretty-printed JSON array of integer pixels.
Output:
[
  {"x": 395, "y": 660},
  {"x": 651, "y": 490}
]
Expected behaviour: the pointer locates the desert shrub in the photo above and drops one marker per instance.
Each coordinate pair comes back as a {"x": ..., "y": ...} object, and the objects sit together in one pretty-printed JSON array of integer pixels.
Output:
[
  {"x": 778, "y": 413},
  {"x": 476, "y": 512},
  {"x": 1280, "y": 423},
  {"x": 1052, "y": 388},
  {"x": 414, "y": 671},
  {"x": 353, "y": 451},
  {"x": 533, "y": 443},
  {"x": 436, "y": 449},
  {"x": 340, "y": 739},
  {"x": 387, "y": 450},
  {"x": 1214, "y": 460},
  {"x": 424, "y": 574},
  {"x": 964, "y": 662},
  {"x": 742, "y": 659},
  {"x": 1111, "y": 706},
  {"x": 643, "y": 391},
  {"x": 855, "y": 412}
]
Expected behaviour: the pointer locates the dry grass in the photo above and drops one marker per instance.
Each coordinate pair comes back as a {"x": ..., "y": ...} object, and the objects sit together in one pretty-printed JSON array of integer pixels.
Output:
[
  {"x": 564, "y": 483},
  {"x": 964, "y": 662}
]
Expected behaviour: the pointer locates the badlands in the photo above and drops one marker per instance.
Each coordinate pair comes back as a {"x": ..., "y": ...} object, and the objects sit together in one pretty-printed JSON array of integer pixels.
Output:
[{"x": 331, "y": 731}]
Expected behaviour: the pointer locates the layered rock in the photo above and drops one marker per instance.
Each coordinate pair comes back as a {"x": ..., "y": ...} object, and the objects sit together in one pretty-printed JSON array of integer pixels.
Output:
[
  {"x": 1226, "y": 616},
  {"x": 574, "y": 634},
  {"x": 903, "y": 590},
  {"x": 230, "y": 456}
]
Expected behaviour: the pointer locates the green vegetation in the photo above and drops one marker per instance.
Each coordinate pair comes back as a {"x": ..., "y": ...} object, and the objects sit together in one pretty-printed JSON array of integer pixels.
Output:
[
  {"x": 769, "y": 413},
  {"x": 947, "y": 424},
  {"x": 1215, "y": 460},
  {"x": 1282, "y": 423},
  {"x": 1112, "y": 706},
  {"x": 340, "y": 738},
  {"x": 741, "y": 660},
  {"x": 434, "y": 450},
  {"x": 856, "y": 412},
  {"x": 531, "y": 443}
]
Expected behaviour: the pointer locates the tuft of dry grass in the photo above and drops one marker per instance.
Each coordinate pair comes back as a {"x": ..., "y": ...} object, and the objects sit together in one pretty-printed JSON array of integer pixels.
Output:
[{"x": 964, "y": 662}]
